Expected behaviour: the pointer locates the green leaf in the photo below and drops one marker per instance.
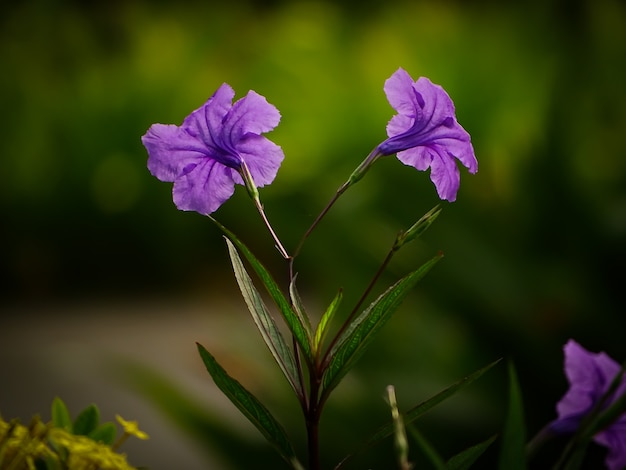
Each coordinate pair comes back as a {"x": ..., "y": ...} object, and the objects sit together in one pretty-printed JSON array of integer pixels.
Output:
[
  {"x": 61, "y": 415},
  {"x": 364, "y": 328},
  {"x": 322, "y": 327},
  {"x": 415, "y": 412},
  {"x": 465, "y": 459},
  {"x": 298, "y": 306},
  {"x": 251, "y": 408},
  {"x": 200, "y": 424},
  {"x": 422, "y": 408},
  {"x": 512, "y": 450},
  {"x": 264, "y": 322},
  {"x": 104, "y": 433},
  {"x": 294, "y": 322},
  {"x": 87, "y": 420}
]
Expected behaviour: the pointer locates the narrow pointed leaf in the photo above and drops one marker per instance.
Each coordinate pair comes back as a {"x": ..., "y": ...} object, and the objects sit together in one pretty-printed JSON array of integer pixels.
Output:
[
  {"x": 465, "y": 459},
  {"x": 203, "y": 425},
  {"x": 61, "y": 415},
  {"x": 296, "y": 325},
  {"x": 422, "y": 408},
  {"x": 322, "y": 327},
  {"x": 512, "y": 451},
  {"x": 264, "y": 321},
  {"x": 364, "y": 328},
  {"x": 87, "y": 420},
  {"x": 251, "y": 408},
  {"x": 418, "y": 410}
]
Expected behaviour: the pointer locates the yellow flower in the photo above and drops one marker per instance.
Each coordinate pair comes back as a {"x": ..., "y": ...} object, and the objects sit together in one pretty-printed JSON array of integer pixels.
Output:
[
  {"x": 20, "y": 446},
  {"x": 131, "y": 428},
  {"x": 85, "y": 453}
]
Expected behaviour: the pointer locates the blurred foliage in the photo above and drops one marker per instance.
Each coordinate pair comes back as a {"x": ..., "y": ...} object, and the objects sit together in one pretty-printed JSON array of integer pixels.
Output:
[{"x": 535, "y": 245}]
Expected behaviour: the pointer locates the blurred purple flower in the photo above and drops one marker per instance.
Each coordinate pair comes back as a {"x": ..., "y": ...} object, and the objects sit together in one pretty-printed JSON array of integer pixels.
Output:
[
  {"x": 425, "y": 134},
  {"x": 217, "y": 145},
  {"x": 590, "y": 376}
]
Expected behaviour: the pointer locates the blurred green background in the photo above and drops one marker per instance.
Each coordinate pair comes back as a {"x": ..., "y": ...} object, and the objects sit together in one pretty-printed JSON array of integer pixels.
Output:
[{"x": 535, "y": 245}]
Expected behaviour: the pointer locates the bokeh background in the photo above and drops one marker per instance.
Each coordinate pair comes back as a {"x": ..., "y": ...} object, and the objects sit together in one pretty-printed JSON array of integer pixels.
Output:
[{"x": 101, "y": 272}]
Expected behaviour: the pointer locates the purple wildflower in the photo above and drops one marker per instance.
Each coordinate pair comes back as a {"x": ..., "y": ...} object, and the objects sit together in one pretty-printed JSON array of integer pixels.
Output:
[
  {"x": 425, "y": 134},
  {"x": 590, "y": 376},
  {"x": 217, "y": 145}
]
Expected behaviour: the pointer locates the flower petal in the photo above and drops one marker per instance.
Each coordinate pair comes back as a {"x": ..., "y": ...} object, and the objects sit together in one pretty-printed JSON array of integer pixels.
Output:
[
  {"x": 444, "y": 173},
  {"x": 262, "y": 156},
  {"x": 398, "y": 125},
  {"x": 419, "y": 158},
  {"x": 205, "y": 188},
  {"x": 399, "y": 91},
  {"x": 462, "y": 150},
  {"x": 205, "y": 123},
  {"x": 589, "y": 375},
  {"x": 170, "y": 150},
  {"x": 252, "y": 114},
  {"x": 438, "y": 108},
  {"x": 615, "y": 439}
]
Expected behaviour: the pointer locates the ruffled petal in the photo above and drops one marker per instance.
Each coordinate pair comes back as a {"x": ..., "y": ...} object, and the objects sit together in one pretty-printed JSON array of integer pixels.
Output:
[
  {"x": 419, "y": 158},
  {"x": 262, "y": 156},
  {"x": 589, "y": 375},
  {"x": 399, "y": 124},
  {"x": 438, "y": 108},
  {"x": 462, "y": 150},
  {"x": 399, "y": 91},
  {"x": 444, "y": 173},
  {"x": 170, "y": 150},
  {"x": 581, "y": 373},
  {"x": 614, "y": 438},
  {"x": 252, "y": 114},
  {"x": 205, "y": 188},
  {"x": 205, "y": 123}
]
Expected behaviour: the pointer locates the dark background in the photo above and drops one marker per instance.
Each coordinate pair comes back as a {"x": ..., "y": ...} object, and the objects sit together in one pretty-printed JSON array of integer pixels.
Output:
[{"x": 534, "y": 246}]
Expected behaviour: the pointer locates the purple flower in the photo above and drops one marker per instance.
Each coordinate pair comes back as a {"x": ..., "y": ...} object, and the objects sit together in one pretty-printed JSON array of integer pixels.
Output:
[
  {"x": 590, "y": 376},
  {"x": 425, "y": 134},
  {"x": 217, "y": 145}
]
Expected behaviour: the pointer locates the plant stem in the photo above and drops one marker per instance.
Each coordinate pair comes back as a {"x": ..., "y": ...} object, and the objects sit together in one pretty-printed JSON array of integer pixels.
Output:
[
  {"x": 315, "y": 403},
  {"x": 319, "y": 218},
  {"x": 313, "y": 415},
  {"x": 313, "y": 442},
  {"x": 279, "y": 245}
]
